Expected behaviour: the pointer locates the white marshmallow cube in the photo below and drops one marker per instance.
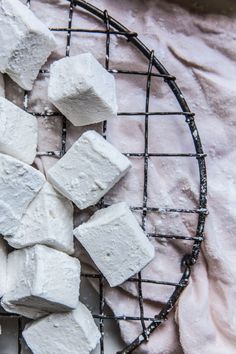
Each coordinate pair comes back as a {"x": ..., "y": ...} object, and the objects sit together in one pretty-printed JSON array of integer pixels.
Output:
[
  {"x": 26, "y": 43},
  {"x": 18, "y": 132},
  {"x": 48, "y": 221},
  {"x": 42, "y": 278},
  {"x": 19, "y": 184},
  {"x": 116, "y": 243},
  {"x": 82, "y": 90},
  {"x": 90, "y": 168},
  {"x": 73, "y": 332},
  {"x": 3, "y": 266}
]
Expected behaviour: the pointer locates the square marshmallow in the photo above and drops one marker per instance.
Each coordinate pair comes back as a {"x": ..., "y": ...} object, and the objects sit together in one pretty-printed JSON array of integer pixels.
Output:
[
  {"x": 18, "y": 132},
  {"x": 19, "y": 184},
  {"x": 90, "y": 168},
  {"x": 26, "y": 43},
  {"x": 116, "y": 243},
  {"x": 82, "y": 90},
  {"x": 73, "y": 332},
  {"x": 3, "y": 266},
  {"x": 42, "y": 278},
  {"x": 48, "y": 221}
]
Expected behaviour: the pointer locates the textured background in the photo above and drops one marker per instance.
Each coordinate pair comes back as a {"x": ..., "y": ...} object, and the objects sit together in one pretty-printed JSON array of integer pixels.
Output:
[{"x": 196, "y": 43}]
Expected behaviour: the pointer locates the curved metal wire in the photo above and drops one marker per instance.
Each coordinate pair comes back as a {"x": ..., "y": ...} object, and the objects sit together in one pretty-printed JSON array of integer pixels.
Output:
[{"x": 113, "y": 27}]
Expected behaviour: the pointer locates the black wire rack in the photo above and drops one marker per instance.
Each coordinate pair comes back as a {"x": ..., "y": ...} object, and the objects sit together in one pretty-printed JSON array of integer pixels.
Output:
[{"x": 114, "y": 28}]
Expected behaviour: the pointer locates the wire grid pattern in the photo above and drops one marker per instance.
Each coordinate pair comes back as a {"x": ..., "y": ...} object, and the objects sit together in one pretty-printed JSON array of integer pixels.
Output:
[{"x": 112, "y": 27}]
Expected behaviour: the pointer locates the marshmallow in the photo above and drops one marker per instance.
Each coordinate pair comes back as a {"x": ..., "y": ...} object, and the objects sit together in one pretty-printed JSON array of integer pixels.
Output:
[
  {"x": 82, "y": 90},
  {"x": 25, "y": 311},
  {"x": 18, "y": 132},
  {"x": 3, "y": 266},
  {"x": 116, "y": 243},
  {"x": 26, "y": 43},
  {"x": 73, "y": 332},
  {"x": 19, "y": 184},
  {"x": 90, "y": 168},
  {"x": 48, "y": 221},
  {"x": 42, "y": 278}
]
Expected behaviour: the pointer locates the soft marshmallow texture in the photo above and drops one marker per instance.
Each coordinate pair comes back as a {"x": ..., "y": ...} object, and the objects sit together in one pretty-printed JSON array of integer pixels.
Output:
[
  {"x": 18, "y": 132},
  {"x": 19, "y": 184},
  {"x": 82, "y": 90},
  {"x": 42, "y": 278},
  {"x": 3, "y": 266},
  {"x": 48, "y": 220},
  {"x": 90, "y": 168},
  {"x": 116, "y": 243},
  {"x": 26, "y": 43},
  {"x": 73, "y": 332}
]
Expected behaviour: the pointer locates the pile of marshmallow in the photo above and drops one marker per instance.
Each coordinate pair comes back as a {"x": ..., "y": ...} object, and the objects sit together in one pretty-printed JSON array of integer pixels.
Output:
[{"x": 41, "y": 278}]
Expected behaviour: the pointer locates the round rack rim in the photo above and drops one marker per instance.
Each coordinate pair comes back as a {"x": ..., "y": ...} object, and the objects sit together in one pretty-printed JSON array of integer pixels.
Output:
[{"x": 189, "y": 259}]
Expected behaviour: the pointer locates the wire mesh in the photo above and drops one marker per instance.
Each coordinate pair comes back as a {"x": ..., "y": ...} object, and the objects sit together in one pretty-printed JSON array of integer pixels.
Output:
[{"x": 114, "y": 28}]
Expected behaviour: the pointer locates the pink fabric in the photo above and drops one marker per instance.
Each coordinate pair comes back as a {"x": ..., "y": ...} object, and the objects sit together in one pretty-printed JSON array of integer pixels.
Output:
[{"x": 199, "y": 49}]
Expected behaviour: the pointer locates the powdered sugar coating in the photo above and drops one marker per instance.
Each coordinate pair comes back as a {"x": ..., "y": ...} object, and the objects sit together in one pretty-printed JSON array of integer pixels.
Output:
[
  {"x": 26, "y": 43},
  {"x": 18, "y": 132},
  {"x": 82, "y": 90}
]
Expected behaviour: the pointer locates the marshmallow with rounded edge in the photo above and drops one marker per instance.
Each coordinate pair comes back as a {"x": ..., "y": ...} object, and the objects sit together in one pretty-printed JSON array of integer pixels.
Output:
[
  {"x": 42, "y": 278},
  {"x": 3, "y": 266},
  {"x": 18, "y": 132},
  {"x": 47, "y": 335},
  {"x": 89, "y": 169},
  {"x": 82, "y": 90},
  {"x": 26, "y": 43},
  {"x": 116, "y": 243},
  {"x": 19, "y": 184},
  {"x": 48, "y": 221}
]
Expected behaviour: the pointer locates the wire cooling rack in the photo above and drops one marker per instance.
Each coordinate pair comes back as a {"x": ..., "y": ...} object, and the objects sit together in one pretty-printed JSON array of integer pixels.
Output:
[{"x": 114, "y": 28}]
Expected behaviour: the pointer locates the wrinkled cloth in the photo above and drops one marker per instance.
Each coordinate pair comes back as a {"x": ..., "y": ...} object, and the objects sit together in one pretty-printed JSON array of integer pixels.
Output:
[{"x": 197, "y": 44}]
